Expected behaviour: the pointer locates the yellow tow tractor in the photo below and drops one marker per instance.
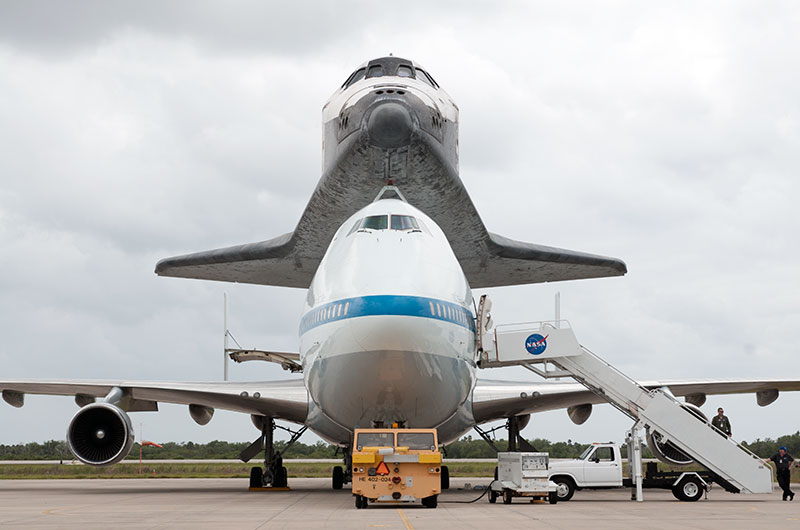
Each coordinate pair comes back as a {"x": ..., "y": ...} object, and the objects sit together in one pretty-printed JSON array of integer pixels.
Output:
[{"x": 396, "y": 465}]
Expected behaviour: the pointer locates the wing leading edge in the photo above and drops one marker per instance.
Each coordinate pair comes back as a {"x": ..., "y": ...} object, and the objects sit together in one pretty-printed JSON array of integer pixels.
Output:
[{"x": 287, "y": 400}]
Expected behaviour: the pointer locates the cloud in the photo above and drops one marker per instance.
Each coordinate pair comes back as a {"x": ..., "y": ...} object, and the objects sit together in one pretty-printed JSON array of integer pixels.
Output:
[{"x": 667, "y": 136}]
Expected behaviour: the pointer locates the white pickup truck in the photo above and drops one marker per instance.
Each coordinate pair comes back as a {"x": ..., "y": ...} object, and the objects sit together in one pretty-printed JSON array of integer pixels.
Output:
[{"x": 601, "y": 466}]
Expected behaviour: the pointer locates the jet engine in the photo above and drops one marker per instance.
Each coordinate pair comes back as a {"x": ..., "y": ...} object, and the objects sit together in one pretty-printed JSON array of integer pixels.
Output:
[
  {"x": 665, "y": 450},
  {"x": 100, "y": 434}
]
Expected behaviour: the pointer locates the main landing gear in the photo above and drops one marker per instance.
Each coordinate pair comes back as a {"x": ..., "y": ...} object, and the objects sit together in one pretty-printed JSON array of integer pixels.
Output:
[
  {"x": 343, "y": 475},
  {"x": 515, "y": 440},
  {"x": 273, "y": 474}
]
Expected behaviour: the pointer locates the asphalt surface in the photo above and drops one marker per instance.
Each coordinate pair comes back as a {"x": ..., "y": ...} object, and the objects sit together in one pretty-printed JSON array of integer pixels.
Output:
[{"x": 227, "y": 503}]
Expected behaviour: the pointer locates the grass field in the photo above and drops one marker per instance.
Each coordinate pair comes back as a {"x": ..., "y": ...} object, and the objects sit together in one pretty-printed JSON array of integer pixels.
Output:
[
  {"x": 197, "y": 470},
  {"x": 214, "y": 470}
]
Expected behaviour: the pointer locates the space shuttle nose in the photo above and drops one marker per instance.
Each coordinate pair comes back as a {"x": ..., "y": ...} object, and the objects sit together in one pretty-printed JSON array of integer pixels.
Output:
[{"x": 390, "y": 126}]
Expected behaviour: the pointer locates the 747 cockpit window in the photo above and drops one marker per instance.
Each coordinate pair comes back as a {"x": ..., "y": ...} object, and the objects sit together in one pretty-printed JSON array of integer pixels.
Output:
[
  {"x": 375, "y": 222},
  {"x": 381, "y": 222},
  {"x": 404, "y": 222}
]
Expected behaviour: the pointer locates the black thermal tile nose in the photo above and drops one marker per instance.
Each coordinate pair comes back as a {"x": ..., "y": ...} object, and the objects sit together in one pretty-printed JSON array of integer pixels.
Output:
[{"x": 390, "y": 126}]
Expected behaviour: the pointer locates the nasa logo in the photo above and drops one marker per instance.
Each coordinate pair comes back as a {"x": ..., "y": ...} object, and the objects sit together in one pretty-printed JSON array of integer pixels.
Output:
[{"x": 536, "y": 344}]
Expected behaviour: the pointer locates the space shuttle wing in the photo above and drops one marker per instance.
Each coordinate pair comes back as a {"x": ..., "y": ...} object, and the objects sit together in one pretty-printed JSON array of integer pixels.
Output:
[
  {"x": 430, "y": 184},
  {"x": 286, "y": 400},
  {"x": 270, "y": 262},
  {"x": 500, "y": 399},
  {"x": 504, "y": 261}
]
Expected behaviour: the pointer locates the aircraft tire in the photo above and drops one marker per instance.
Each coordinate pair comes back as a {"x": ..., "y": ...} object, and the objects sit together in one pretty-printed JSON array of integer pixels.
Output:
[
  {"x": 282, "y": 478},
  {"x": 256, "y": 477},
  {"x": 337, "y": 478},
  {"x": 445, "y": 476}
]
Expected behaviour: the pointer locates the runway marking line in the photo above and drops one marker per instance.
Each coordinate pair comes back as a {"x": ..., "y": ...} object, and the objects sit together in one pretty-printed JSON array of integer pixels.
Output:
[{"x": 405, "y": 520}]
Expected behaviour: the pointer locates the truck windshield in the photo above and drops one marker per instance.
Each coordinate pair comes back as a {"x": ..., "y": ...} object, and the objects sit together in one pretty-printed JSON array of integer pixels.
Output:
[
  {"x": 375, "y": 439},
  {"x": 416, "y": 440},
  {"x": 586, "y": 452}
]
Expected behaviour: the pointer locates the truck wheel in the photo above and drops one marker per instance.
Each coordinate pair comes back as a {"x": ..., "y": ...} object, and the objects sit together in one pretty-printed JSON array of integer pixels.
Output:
[
  {"x": 337, "y": 478},
  {"x": 492, "y": 496},
  {"x": 256, "y": 475},
  {"x": 690, "y": 489},
  {"x": 430, "y": 502},
  {"x": 445, "y": 476},
  {"x": 507, "y": 496},
  {"x": 565, "y": 488},
  {"x": 552, "y": 497}
]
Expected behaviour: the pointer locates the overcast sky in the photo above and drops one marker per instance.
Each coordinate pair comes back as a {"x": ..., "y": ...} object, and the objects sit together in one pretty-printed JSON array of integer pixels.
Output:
[{"x": 665, "y": 134}]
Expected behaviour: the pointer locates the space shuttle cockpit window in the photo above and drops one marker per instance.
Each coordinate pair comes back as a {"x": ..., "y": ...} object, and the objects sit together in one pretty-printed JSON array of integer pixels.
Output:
[
  {"x": 358, "y": 75},
  {"x": 404, "y": 71},
  {"x": 425, "y": 78},
  {"x": 375, "y": 70}
]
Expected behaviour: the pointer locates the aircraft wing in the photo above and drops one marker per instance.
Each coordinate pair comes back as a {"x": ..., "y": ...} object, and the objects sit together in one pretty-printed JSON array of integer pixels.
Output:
[
  {"x": 433, "y": 186},
  {"x": 494, "y": 400},
  {"x": 287, "y": 400}
]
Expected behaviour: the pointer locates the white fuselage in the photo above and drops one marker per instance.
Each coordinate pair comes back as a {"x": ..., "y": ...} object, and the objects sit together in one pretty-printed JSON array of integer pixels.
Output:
[{"x": 387, "y": 333}]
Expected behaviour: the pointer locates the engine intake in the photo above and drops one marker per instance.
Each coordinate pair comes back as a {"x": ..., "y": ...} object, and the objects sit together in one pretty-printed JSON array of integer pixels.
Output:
[
  {"x": 100, "y": 434},
  {"x": 665, "y": 450}
]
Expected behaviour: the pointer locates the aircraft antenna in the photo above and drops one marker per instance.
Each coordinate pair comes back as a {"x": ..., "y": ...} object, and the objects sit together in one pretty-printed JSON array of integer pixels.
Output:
[
  {"x": 225, "y": 338},
  {"x": 558, "y": 309}
]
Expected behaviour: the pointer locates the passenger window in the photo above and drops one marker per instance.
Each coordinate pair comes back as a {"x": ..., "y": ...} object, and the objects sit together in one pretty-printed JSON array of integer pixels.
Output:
[
  {"x": 375, "y": 439},
  {"x": 375, "y": 71},
  {"x": 375, "y": 222},
  {"x": 404, "y": 71},
  {"x": 404, "y": 222},
  {"x": 358, "y": 75}
]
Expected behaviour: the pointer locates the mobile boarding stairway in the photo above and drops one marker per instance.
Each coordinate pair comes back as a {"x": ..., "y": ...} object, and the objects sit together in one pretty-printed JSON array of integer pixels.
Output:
[{"x": 734, "y": 467}]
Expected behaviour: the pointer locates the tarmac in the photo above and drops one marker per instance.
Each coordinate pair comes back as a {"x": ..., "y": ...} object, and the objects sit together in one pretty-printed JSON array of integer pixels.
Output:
[{"x": 226, "y": 503}]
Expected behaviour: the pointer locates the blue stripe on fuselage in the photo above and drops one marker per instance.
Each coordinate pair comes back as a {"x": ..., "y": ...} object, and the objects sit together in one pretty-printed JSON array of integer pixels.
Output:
[{"x": 412, "y": 306}]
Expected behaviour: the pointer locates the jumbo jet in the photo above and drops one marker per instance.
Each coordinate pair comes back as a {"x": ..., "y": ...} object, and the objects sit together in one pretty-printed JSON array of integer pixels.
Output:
[{"x": 388, "y": 247}]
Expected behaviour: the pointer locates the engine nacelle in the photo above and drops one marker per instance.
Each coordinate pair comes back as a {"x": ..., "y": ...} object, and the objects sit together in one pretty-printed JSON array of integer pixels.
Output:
[
  {"x": 100, "y": 434},
  {"x": 665, "y": 450}
]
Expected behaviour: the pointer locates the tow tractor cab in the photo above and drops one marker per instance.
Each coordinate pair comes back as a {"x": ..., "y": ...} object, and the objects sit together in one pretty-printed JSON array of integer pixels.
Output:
[{"x": 396, "y": 465}]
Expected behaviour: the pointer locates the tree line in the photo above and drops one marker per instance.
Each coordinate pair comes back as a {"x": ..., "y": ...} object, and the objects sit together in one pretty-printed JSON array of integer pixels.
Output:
[{"x": 467, "y": 447}]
